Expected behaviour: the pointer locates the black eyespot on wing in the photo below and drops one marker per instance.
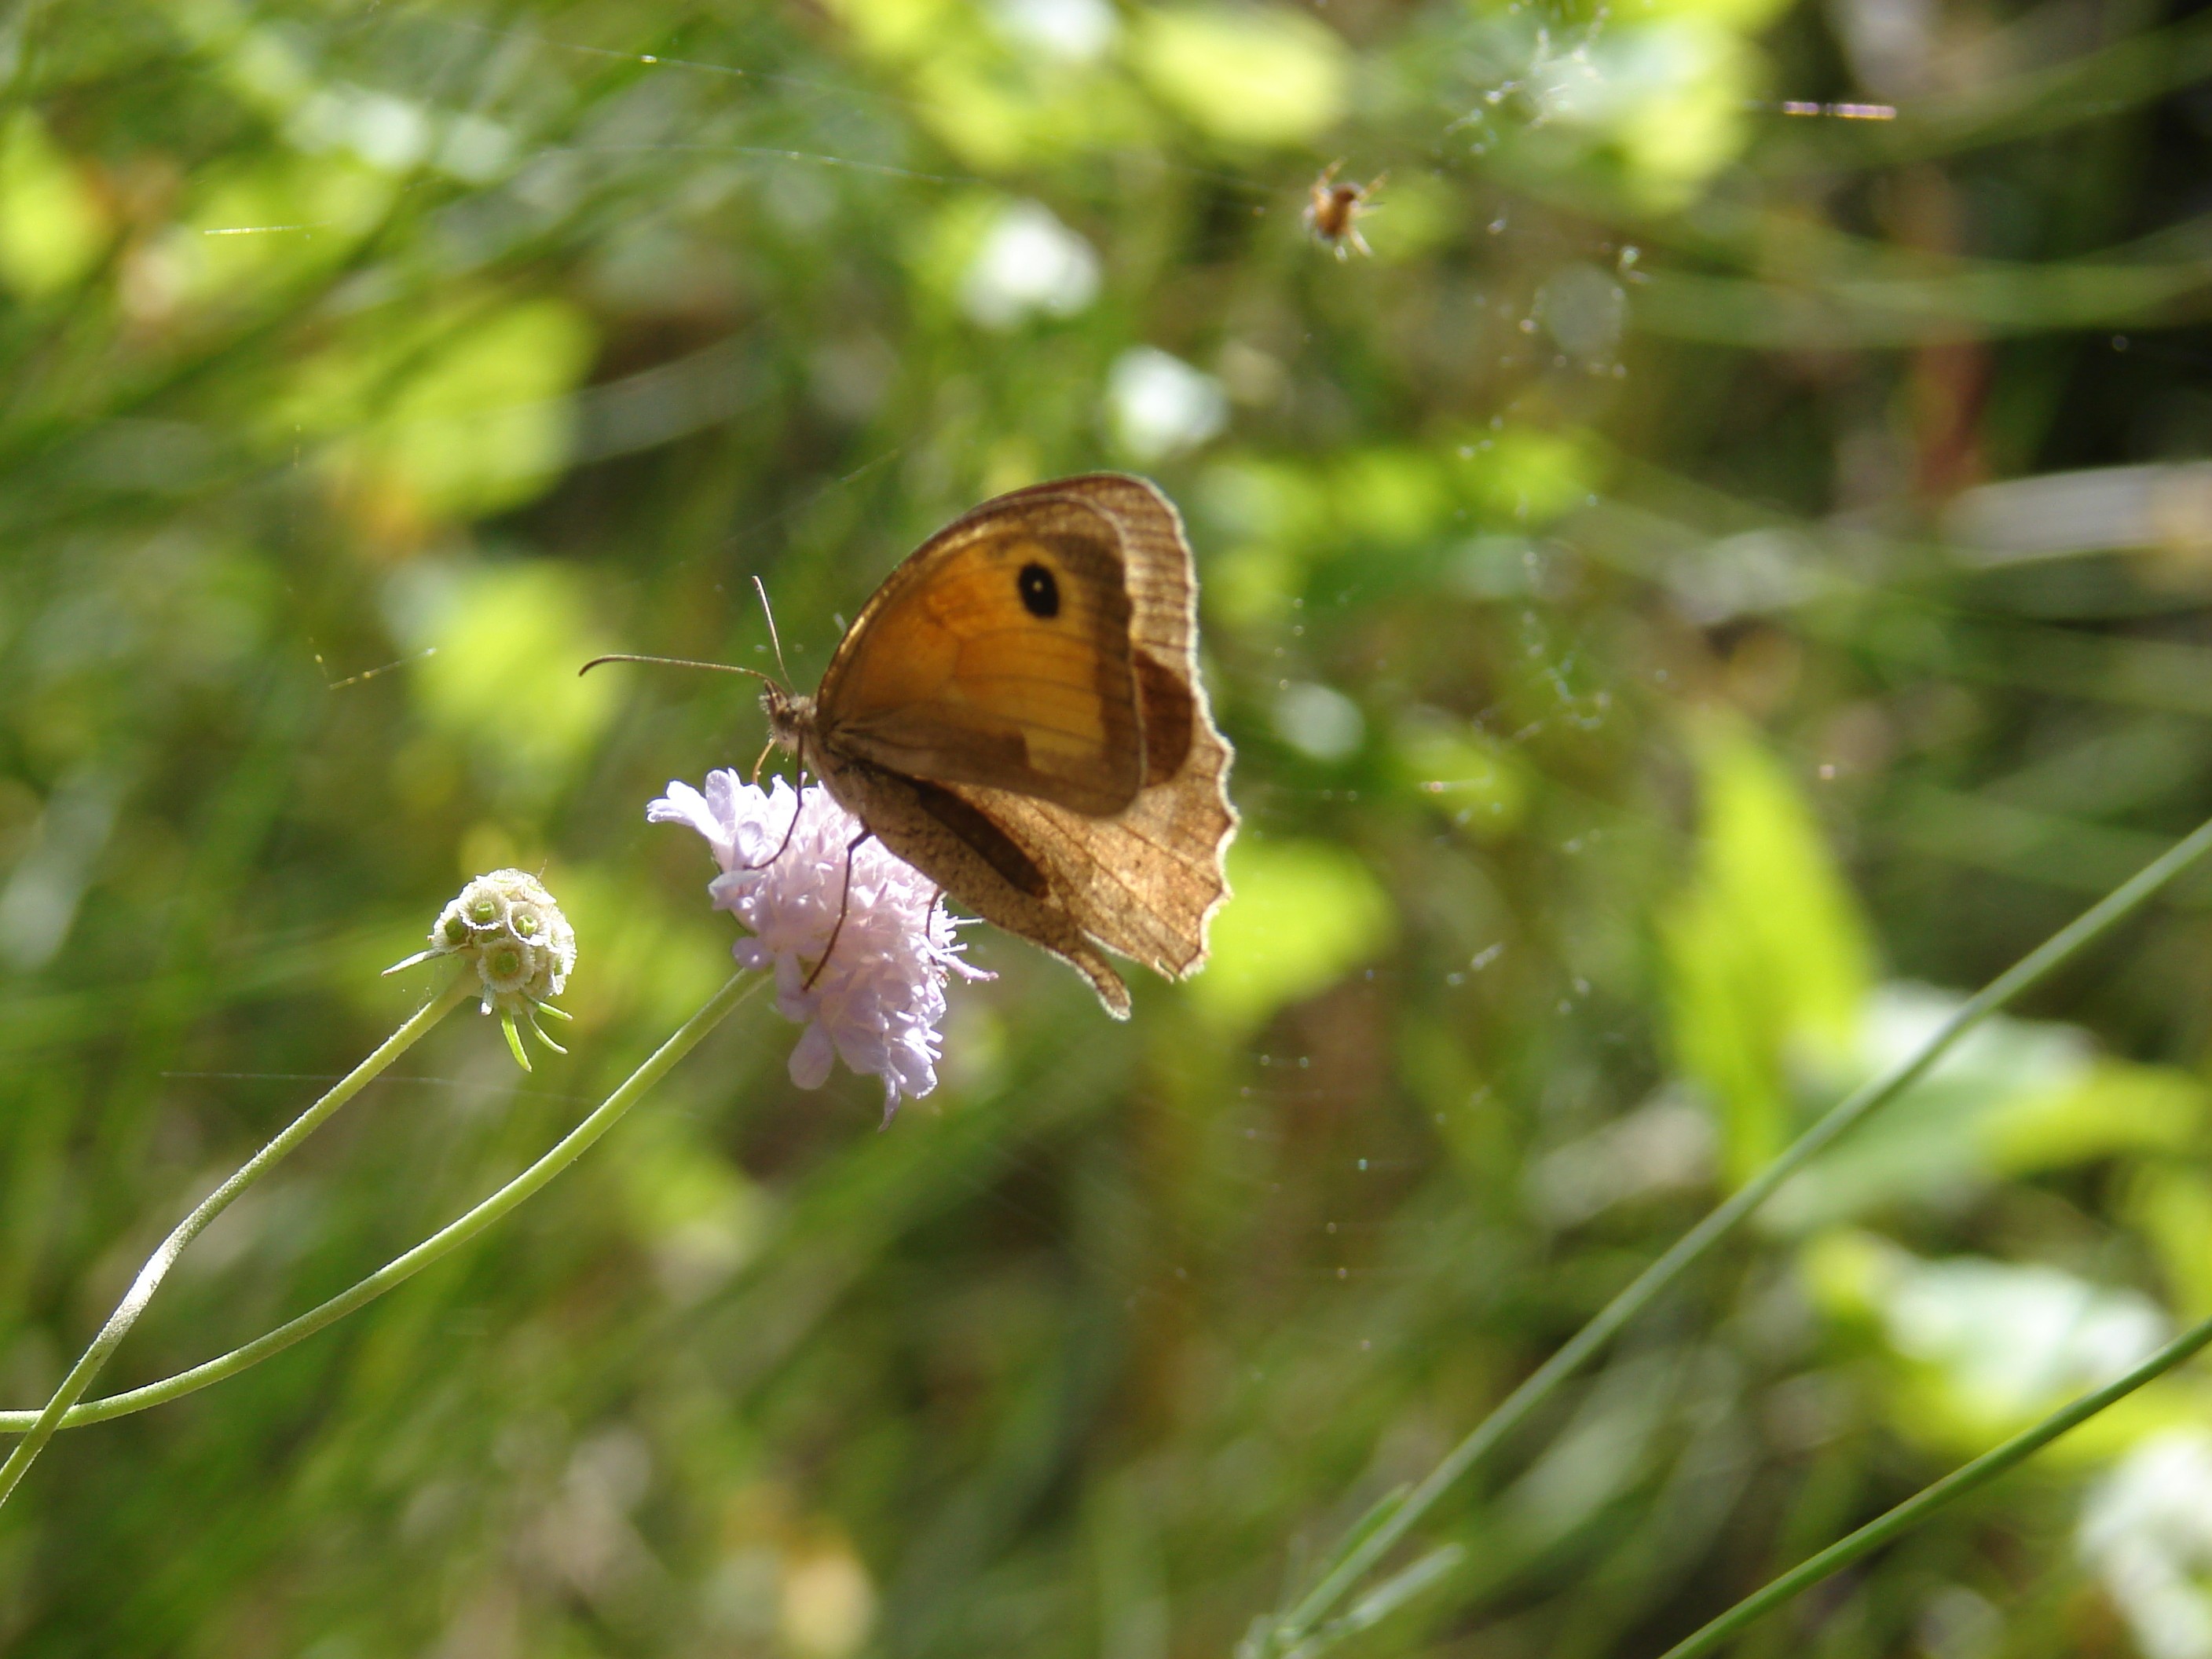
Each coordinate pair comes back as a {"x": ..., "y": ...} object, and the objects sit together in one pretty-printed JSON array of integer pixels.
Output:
[{"x": 1039, "y": 590}]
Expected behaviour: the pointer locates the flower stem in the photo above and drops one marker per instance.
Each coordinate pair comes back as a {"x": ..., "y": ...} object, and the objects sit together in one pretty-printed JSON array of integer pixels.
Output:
[
  {"x": 1353, "y": 1562},
  {"x": 1925, "y": 1502},
  {"x": 44, "y": 1424},
  {"x": 447, "y": 1239}
]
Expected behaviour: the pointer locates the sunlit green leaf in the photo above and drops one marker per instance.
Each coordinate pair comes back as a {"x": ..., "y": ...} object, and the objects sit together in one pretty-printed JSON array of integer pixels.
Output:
[
  {"x": 2017, "y": 1097},
  {"x": 1304, "y": 913},
  {"x": 52, "y": 228},
  {"x": 1250, "y": 74},
  {"x": 501, "y": 645},
  {"x": 2172, "y": 1205},
  {"x": 1526, "y": 475},
  {"x": 1767, "y": 954},
  {"x": 1479, "y": 784}
]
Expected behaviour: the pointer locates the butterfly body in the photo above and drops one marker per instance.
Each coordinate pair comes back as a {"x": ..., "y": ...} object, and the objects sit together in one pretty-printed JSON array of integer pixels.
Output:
[{"x": 1017, "y": 714}]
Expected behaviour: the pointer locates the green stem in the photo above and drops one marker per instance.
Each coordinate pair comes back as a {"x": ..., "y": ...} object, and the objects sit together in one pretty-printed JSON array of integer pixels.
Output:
[
  {"x": 42, "y": 1424},
  {"x": 2054, "y": 952},
  {"x": 441, "y": 1243},
  {"x": 1925, "y": 1503}
]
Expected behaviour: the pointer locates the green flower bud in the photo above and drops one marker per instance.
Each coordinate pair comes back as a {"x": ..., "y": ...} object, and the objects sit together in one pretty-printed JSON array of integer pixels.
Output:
[
  {"x": 509, "y": 928},
  {"x": 505, "y": 965}
]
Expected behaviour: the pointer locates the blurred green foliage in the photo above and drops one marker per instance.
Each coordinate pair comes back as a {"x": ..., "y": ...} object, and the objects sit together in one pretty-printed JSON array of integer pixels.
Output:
[
  {"x": 1765, "y": 957},
  {"x": 1717, "y": 584}
]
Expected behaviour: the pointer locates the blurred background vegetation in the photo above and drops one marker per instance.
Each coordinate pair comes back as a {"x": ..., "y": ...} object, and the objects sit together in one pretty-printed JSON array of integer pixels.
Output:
[{"x": 1717, "y": 583}]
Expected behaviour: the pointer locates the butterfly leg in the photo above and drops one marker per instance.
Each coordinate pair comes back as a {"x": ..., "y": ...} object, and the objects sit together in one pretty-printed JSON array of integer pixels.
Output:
[
  {"x": 784, "y": 846},
  {"x": 844, "y": 902},
  {"x": 792, "y": 829}
]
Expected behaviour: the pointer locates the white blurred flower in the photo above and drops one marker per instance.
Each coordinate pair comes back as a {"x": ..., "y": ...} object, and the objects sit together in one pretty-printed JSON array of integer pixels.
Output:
[
  {"x": 1029, "y": 261},
  {"x": 1160, "y": 404},
  {"x": 2013, "y": 1338},
  {"x": 1319, "y": 720},
  {"x": 877, "y": 1001},
  {"x": 2147, "y": 1528}
]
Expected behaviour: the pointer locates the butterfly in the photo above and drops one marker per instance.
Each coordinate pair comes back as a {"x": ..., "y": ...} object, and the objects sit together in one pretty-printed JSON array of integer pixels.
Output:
[{"x": 1017, "y": 715}]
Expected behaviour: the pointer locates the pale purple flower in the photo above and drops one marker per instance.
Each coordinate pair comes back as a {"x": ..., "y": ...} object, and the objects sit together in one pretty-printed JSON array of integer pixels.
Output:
[{"x": 878, "y": 1001}]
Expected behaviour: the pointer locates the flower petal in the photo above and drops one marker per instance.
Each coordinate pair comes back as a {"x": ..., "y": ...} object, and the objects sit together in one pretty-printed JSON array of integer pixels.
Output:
[
  {"x": 684, "y": 804},
  {"x": 810, "y": 1058},
  {"x": 797, "y": 873}
]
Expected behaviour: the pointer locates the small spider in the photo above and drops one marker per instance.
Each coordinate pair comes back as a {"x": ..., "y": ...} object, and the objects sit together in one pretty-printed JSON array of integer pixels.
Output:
[{"x": 1333, "y": 210}]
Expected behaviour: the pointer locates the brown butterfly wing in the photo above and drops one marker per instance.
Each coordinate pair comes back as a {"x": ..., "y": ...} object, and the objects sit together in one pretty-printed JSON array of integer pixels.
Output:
[
  {"x": 1146, "y": 882},
  {"x": 1001, "y": 653},
  {"x": 940, "y": 831}
]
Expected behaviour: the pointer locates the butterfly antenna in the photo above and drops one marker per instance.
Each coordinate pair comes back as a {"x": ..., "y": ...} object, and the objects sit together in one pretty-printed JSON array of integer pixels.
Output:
[
  {"x": 761, "y": 588},
  {"x": 677, "y": 662}
]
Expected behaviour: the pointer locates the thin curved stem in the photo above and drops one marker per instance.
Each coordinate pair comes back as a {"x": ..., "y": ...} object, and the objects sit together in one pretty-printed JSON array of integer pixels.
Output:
[
  {"x": 1355, "y": 1562},
  {"x": 43, "y": 1424},
  {"x": 442, "y": 1242},
  {"x": 1925, "y": 1502}
]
